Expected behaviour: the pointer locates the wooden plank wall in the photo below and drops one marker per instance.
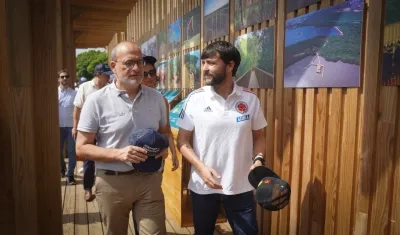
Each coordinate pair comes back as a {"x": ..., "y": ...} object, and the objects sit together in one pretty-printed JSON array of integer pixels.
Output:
[
  {"x": 338, "y": 147},
  {"x": 29, "y": 132}
]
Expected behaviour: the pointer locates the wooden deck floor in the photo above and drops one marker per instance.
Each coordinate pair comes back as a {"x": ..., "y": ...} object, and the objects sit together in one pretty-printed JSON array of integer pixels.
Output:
[{"x": 83, "y": 218}]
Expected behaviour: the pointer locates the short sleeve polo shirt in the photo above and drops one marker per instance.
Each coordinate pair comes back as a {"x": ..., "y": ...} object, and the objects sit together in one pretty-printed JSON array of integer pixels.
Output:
[
  {"x": 110, "y": 114},
  {"x": 222, "y": 136},
  {"x": 84, "y": 90}
]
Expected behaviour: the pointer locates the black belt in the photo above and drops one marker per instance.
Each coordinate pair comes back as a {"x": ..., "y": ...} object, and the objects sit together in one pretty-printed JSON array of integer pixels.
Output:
[{"x": 109, "y": 172}]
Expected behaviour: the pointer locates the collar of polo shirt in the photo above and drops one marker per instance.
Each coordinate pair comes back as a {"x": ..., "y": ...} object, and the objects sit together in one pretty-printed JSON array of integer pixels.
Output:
[
  {"x": 92, "y": 83},
  {"x": 119, "y": 92},
  {"x": 213, "y": 94}
]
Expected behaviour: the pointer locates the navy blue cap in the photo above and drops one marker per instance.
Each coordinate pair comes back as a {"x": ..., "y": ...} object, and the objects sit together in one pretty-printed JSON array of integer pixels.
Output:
[
  {"x": 148, "y": 59},
  {"x": 272, "y": 192},
  {"x": 103, "y": 68},
  {"x": 154, "y": 143}
]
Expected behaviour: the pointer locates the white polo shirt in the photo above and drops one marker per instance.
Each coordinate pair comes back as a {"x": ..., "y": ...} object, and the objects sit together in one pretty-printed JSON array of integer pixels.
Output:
[
  {"x": 222, "y": 136},
  {"x": 84, "y": 90}
]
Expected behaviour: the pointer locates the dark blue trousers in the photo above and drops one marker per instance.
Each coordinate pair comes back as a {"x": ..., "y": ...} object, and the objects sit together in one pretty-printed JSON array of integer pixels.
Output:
[
  {"x": 240, "y": 211},
  {"x": 88, "y": 174},
  {"x": 66, "y": 135}
]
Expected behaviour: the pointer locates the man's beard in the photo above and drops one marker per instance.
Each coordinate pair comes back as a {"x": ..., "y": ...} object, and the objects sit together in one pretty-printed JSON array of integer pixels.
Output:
[
  {"x": 129, "y": 82},
  {"x": 216, "y": 79}
]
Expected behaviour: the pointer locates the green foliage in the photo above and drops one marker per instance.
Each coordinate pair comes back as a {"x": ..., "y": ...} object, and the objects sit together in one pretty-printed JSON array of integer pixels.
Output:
[
  {"x": 190, "y": 63},
  {"x": 392, "y": 11},
  {"x": 256, "y": 51},
  {"x": 86, "y": 61},
  {"x": 252, "y": 13},
  {"x": 174, "y": 68}
]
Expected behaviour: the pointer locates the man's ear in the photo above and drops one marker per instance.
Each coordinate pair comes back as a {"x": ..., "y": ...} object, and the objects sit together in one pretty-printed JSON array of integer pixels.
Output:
[
  {"x": 112, "y": 65},
  {"x": 230, "y": 66}
]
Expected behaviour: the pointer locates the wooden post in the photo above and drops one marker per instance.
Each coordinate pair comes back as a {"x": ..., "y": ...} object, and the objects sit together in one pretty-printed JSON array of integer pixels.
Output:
[{"x": 29, "y": 118}]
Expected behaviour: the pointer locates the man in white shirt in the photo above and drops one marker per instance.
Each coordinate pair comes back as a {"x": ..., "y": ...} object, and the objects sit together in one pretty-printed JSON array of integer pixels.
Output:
[
  {"x": 66, "y": 97},
  {"x": 227, "y": 124},
  {"x": 101, "y": 77}
]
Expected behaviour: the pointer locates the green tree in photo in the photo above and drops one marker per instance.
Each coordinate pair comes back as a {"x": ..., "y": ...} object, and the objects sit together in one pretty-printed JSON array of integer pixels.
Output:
[
  {"x": 249, "y": 48},
  {"x": 86, "y": 61}
]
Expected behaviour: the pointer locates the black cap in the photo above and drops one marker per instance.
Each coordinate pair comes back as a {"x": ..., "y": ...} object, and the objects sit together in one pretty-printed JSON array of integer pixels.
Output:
[
  {"x": 154, "y": 143},
  {"x": 149, "y": 59},
  {"x": 272, "y": 193},
  {"x": 103, "y": 68}
]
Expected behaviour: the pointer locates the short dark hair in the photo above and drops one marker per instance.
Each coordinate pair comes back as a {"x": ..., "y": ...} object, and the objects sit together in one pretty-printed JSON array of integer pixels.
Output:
[
  {"x": 150, "y": 60},
  {"x": 226, "y": 51},
  {"x": 62, "y": 71}
]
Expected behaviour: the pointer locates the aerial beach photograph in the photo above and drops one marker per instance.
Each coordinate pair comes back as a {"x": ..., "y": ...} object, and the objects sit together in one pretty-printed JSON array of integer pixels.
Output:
[{"x": 323, "y": 48}]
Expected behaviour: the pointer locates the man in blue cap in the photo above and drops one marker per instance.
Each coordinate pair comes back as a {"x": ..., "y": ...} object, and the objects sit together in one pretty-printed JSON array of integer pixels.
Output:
[{"x": 101, "y": 77}]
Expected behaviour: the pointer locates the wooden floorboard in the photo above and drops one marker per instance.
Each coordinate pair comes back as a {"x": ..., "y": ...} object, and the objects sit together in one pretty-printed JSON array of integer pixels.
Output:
[{"x": 83, "y": 218}]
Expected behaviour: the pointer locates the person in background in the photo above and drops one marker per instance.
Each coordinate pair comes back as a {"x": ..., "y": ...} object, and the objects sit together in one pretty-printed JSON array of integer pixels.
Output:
[
  {"x": 101, "y": 77},
  {"x": 150, "y": 79},
  {"x": 227, "y": 125},
  {"x": 66, "y": 97}
]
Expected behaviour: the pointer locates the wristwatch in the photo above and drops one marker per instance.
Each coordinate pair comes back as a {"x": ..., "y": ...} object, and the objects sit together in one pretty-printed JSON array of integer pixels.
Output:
[{"x": 260, "y": 158}]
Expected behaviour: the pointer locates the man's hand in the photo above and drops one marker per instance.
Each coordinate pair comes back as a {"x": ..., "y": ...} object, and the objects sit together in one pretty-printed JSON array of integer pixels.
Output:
[
  {"x": 256, "y": 164},
  {"x": 208, "y": 174},
  {"x": 163, "y": 154},
  {"x": 74, "y": 133},
  {"x": 131, "y": 154},
  {"x": 175, "y": 163}
]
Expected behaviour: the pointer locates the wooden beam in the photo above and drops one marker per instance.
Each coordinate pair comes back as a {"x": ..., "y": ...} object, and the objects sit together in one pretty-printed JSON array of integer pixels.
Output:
[
  {"x": 97, "y": 4},
  {"x": 75, "y": 12},
  {"x": 77, "y": 34},
  {"x": 96, "y": 26},
  {"x": 45, "y": 117},
  {"x": 104, "y": 13},
  {"x": 29, "y": 121},
  {"x": 7, "y": 200}
]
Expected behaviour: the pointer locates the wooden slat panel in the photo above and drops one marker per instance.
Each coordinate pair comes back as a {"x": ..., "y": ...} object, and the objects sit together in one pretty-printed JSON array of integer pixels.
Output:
[
  {"x": 323, "y": 141},
  {"x": 81, "y": 219}
]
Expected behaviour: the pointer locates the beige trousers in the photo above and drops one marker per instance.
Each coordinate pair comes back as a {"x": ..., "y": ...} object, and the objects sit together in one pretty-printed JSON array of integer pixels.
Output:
[{"x": 117, "y": 195}]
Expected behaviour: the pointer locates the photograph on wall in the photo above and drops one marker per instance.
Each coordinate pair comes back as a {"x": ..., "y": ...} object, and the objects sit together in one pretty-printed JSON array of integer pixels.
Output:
[
  {"x": 144, "y": 48},
  {"x": 162, "y": 74},
  {"x": 391, "y": 45},
  {"x": 174, "y": 113},
  {"x": 174, "y": 73},
  {"x": 191, "y": 28},
  {"x": 292, "y": 5},
  {"x": 216, "y": 19},
  {"x": 192, "y": 69},
  {"x": 152, "y": 47},
  {"x": 256, "y": 70},
  {"x": 249, "y": 13},
  {"x": 323, "y": 48},
  {"x": 174, "y": 36},
  {"x": 162, "y": 45},
  {"x": 392, "y": 11}
]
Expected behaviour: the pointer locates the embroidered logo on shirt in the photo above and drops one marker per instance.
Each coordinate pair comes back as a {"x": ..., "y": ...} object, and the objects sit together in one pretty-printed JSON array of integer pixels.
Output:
[
  {"x": 208, "y": 109},
  {"x": 241, "y": 107},
  {"x": 243, "y": 118},
  {"x": 182, "y": 114}
]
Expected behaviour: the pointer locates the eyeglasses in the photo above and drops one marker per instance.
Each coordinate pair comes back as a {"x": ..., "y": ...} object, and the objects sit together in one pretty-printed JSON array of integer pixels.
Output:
[
  {"x": 66, "y": 76},
  {"x": 150, "y": 73},
  {"x": 131, "y": 63}
]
